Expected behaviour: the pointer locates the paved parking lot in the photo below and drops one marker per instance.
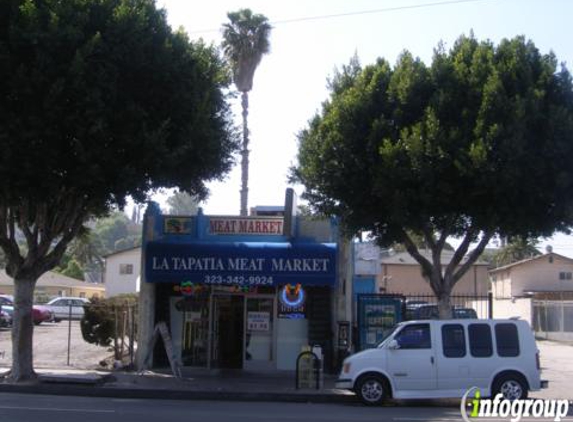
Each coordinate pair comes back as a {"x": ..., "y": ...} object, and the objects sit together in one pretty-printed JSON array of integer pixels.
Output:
[
  {"x": 51, "y": 347},
  {"x": 557, "y": 367}
]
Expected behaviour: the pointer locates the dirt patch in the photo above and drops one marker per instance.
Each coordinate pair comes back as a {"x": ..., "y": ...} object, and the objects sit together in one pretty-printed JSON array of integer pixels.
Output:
[{"x": 51, "y": 348}]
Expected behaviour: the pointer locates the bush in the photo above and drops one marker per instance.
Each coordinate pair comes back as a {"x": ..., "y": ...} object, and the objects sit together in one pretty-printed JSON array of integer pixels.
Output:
[{"x": 111, "y": 320}]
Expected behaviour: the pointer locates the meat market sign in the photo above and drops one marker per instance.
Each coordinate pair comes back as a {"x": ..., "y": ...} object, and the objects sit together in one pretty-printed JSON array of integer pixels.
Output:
[{"x": 253, "y": 226}]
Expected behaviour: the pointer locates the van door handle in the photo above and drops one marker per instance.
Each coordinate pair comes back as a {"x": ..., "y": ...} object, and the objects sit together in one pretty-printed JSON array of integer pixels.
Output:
[{"x": 432, "y": 359}]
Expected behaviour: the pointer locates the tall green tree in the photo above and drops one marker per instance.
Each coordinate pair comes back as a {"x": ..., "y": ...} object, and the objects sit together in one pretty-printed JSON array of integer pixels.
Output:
[
  {"x": 181, "y": 203},
  {"x": 114, "y": 228},
  {"x": 477, "y": 143},
  {"x": 245, "y": 41},
  {"x": 99, "y": 99}
]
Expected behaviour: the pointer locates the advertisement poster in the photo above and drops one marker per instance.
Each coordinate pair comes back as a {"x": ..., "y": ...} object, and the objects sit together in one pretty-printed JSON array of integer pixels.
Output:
[{"x": 258, "y": 321}]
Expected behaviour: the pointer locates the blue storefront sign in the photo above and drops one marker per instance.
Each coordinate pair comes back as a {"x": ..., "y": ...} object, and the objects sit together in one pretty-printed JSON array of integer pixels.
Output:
[{"x": 241, "y": 263}]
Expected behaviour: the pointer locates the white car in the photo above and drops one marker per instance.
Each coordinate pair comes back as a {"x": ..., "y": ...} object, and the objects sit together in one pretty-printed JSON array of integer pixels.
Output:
[
  {"x": 67, "y": 307},
  {"x": 428, "y": 359}
]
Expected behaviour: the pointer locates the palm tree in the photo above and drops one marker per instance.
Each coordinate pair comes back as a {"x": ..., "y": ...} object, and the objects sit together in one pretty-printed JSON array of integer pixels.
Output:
[{"x": 245, "y": 41}]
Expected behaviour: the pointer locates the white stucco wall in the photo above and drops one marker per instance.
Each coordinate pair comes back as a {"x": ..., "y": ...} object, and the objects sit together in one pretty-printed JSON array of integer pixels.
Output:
[
  {"x": 408, "y": 280},
  {"x": 116, "y": 283},
  {"x": 508, "y": 308},
  {"x": 541, "y": 274}
]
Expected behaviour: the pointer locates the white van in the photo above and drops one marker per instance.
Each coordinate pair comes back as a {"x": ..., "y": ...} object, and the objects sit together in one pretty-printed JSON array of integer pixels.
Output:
[{"x": 443, "y": 359}]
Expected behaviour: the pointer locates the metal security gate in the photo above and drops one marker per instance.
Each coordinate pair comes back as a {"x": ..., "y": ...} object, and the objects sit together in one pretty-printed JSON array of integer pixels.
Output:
[{"x": 377, "y": 314}]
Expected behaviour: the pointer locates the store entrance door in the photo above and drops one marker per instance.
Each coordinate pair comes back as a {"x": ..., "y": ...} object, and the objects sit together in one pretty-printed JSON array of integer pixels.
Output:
[
  {"x": 227, "y": 340},
  {"x": 259, "y": 323}
]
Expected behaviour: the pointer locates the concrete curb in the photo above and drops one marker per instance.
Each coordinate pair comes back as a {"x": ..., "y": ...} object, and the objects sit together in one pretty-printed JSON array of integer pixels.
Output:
[{"x": 168, "y": 394}]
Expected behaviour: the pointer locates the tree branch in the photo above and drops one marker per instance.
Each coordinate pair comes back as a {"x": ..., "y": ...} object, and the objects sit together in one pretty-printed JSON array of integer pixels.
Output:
[
  {"x": 459, "y": 253},
  {"x": 429, "y": 236},
  {"x": 473, "y": 256},
  {"x": 31, "y": 240},
  {"x": 8, "y": 242},
  {"x": 412, "y": 249},
  {"x": 73, "y": 227}
]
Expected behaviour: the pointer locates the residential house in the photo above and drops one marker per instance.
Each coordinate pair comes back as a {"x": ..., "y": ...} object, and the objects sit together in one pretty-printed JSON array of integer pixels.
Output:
[
  {"x": 52, "y": 284},
  {"x": 401, "y": 273},
  {"x": 122, "y": 272},
  {"x": 539, "y": 290}
]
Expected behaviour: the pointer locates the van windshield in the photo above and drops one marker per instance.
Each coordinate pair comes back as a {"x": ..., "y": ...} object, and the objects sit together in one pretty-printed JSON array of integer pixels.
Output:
[{"x": 388, "y": 335}]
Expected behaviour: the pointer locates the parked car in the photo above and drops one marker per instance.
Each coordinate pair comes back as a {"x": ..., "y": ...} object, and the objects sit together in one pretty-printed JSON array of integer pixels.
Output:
[
  {"x": 66, "y": 307},
  {"x": 5, "y": 319},
  {"x": 39, "y": 313},
  {"x": 429, "y": 311},
  {"x": 444, "y": 359}
]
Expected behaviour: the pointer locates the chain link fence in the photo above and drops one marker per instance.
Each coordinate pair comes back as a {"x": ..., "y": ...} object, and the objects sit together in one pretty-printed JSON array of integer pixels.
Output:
[{"x": 553, "y": 319}]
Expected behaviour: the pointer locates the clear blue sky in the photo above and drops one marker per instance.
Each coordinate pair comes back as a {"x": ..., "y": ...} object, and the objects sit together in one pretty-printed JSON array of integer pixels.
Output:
[{"x": 290, "y": 83}]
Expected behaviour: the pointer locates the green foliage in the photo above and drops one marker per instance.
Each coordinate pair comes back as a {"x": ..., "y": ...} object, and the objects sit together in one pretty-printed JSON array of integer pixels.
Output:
[
  {"x": 181, "y": 203},
  {"x": 420, "y": 243},
  {"x": 518, "y": 248},
  {"x": 73, "y": 269},
  {"x": 98, "y": 324},
  {"x": 116, "y": 232},
  {"x": 477, "y": 143},
  {"x": 108, "y": 234},
  {"x": 102, "y": 97},
  {"x": 104, "y": 319},
  {"x": 245, "y": 41},
  {"x": 479, "y": 139},
  {"x": 99, "y": 100}
]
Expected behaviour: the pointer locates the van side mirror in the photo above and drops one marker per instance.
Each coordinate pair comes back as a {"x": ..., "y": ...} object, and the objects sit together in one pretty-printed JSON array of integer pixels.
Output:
[{"x": 393, "y": 345}]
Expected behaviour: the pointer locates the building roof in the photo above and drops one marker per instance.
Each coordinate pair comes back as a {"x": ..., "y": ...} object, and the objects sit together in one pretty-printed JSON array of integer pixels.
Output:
[
  {"x": 404, "y": 258},
  {"x": 122, "y": 251},
  {"x": 528, "y": 260},
  {"x": 51, "y": 278}
]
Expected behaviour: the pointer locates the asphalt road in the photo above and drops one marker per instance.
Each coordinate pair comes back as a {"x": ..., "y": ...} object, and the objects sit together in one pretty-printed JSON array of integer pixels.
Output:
[{"x": 35, "y": 408}]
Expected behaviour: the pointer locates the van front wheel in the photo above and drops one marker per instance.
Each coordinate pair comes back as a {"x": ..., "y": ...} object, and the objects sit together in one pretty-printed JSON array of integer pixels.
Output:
[
  {"x": 511, "y": 387},
  {"x": 372, "y": 390}
]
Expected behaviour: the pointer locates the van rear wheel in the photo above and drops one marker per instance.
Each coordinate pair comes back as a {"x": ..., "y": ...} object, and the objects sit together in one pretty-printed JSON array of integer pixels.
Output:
[
  {"x": 372, "y": 390},
  {"x": 511, "y": 387}
]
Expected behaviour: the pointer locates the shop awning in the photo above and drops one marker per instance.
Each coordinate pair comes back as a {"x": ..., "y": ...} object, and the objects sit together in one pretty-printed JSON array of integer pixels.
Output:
[{"x": 241, "y": 263}]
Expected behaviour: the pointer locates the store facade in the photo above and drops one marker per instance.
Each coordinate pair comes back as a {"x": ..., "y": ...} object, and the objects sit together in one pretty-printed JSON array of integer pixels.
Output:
[{"x": 237, "y": 292}]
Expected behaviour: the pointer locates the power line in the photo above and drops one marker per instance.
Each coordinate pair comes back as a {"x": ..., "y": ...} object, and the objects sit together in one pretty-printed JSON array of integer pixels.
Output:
[{"x": 362, "y": 12}]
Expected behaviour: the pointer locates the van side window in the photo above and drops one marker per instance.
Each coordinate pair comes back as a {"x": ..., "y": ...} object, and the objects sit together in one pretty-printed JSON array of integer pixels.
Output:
[
  {"x": 480, "y": 340},
  {"x": 453, "y": 341},
  {"x": 506, "y": 340},
  {"x": 415, "y": 336}
]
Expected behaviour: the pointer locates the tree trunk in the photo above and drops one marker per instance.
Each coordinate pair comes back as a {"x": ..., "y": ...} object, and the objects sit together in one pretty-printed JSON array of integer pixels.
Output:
[
  {"x": 444, "y": 305},
  {"x": 23, "y": 331},
  {"x": 245, "y": 156},
  {"x": 442, "y": 290}
]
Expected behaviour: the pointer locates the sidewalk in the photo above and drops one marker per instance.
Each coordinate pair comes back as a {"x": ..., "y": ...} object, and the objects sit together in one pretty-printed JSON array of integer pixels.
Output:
[{"x": 194, "y": 385}]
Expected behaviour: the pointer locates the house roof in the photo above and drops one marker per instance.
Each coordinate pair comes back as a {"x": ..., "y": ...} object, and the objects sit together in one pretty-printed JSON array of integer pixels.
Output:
[
  {"x": 404, "y": 258},
  {"x": 122, "y": 251},
  {"x": 528, "y": 260},
  {"x": 50, "y": 278}
]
